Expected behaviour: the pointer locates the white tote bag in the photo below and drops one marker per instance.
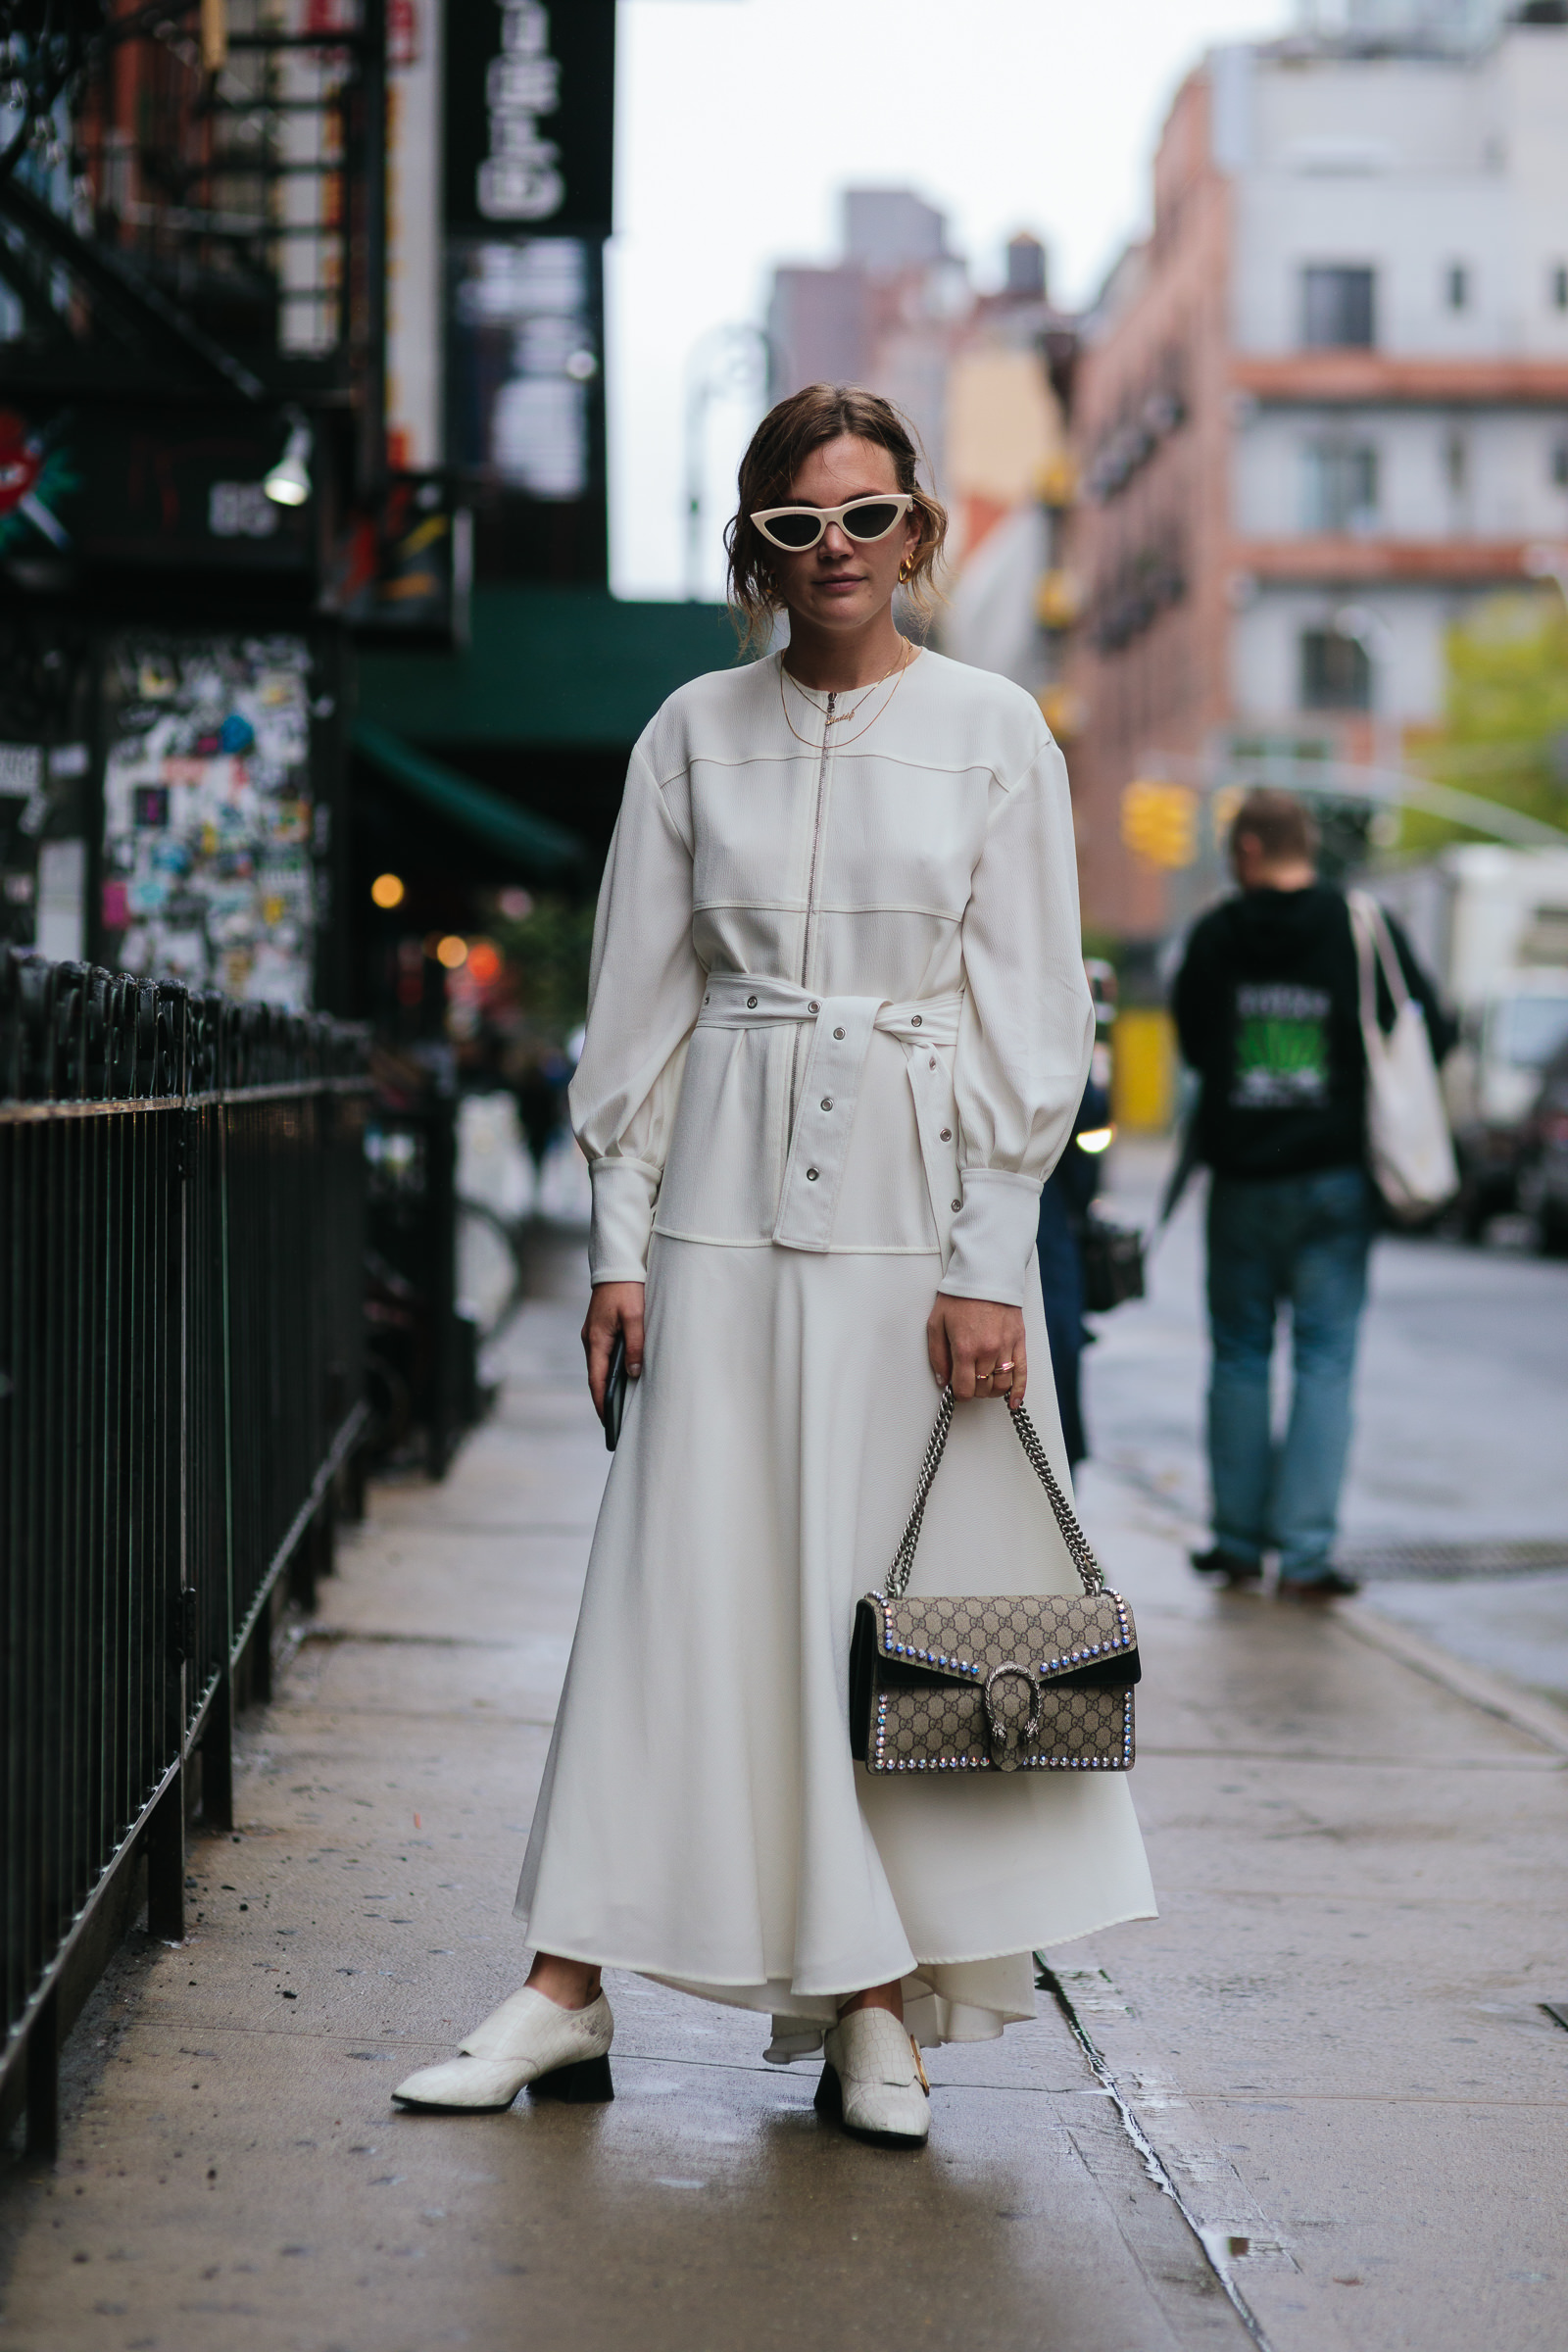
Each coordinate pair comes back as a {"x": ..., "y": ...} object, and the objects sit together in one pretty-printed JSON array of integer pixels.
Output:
[{"x": 1408, "y": 1144}]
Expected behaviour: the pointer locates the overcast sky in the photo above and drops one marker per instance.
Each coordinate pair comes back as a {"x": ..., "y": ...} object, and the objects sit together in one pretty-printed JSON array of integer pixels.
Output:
[{"x": 740, "y": 121}]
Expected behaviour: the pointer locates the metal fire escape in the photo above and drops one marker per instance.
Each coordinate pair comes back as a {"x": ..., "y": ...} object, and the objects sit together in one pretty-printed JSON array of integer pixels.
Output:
[{"x": 192, "y": 205}]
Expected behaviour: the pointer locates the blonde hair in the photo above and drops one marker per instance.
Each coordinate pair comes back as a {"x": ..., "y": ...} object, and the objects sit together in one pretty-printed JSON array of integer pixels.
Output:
[{"x": 786, "y": 437}]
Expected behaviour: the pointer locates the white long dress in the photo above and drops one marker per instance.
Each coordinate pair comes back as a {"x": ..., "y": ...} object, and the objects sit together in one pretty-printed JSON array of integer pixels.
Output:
[{"x": 838, "y": 1030}]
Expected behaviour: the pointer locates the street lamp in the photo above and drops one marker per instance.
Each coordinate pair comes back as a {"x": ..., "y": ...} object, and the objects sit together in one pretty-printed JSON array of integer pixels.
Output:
[
  {"x": 290, "y": 482},
  {"x": 726, "y": 361}
]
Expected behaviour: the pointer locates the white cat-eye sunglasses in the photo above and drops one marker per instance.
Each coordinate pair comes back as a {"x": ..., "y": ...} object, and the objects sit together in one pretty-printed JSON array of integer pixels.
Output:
[{"x": 863, "y": 520}]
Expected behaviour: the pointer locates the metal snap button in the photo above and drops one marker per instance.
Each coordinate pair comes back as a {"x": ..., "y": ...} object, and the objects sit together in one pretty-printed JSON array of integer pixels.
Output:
[
  {"x": 946, "y": 1135},
  {"x": 827, "y": 1102},
  {"x": 958, "y": 1204},
  {"x": 838, "y": 1033},
  {"x": 811, "y": 1175},
  {"x": 933, "y": 1061},
  {"x": 916, "y": 1022},
  {"x": 814, "y": 1006},
  {"x": 707, "y": 1000},
  {"x": 752, "y": 1003}
]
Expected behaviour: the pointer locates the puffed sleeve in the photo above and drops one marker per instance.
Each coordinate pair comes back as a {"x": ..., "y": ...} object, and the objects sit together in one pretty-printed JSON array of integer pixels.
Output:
[
  {"x": 1025, "y": 1034},
  {"x": 645, "y": 990}
]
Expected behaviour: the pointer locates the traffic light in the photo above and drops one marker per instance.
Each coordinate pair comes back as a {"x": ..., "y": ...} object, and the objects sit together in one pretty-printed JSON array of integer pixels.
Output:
[
  {"x": 1159, "y": 822},
  {"x": 1059, "y": 599},
  {"x": 1062, "y": 710}
]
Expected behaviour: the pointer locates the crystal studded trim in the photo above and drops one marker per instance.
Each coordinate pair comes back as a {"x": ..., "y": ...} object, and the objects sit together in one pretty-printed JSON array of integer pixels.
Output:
[{"x": 939, "y": 1720}]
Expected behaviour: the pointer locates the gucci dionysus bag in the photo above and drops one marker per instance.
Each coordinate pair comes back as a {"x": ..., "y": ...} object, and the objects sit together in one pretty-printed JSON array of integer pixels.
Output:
[{"x": 1009, "y": 1683}]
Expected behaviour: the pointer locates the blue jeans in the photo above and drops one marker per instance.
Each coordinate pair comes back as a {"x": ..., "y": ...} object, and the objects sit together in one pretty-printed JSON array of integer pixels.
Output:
[
  {"x": 1302, "y": 1241},
  {"x": 1061, "y": 1289}
]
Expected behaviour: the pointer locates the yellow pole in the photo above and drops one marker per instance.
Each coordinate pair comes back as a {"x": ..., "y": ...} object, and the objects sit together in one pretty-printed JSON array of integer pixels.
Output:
[
  {"x": 1143, "y": 1069},
  {"x": 215, "y": 35}
]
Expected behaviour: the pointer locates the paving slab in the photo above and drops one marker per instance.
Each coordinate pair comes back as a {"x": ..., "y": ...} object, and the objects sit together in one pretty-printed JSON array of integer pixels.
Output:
[
  {"x": 233, "y": 2172},
  {"x": 1335, "y": 2036},
  {"x": 1318, "y": 2106}
]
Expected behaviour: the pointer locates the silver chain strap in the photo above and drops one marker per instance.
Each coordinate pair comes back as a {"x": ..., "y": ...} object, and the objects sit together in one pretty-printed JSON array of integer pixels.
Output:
[{"x": 1079, "y": 1549}]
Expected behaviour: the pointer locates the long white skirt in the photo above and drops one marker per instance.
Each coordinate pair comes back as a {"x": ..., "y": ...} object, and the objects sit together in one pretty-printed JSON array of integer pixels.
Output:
[{"x": 700, "y": 1818}]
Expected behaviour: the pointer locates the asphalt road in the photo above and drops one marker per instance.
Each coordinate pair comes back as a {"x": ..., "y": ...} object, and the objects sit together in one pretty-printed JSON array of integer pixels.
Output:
[{"x": 1462, "y": 1414}]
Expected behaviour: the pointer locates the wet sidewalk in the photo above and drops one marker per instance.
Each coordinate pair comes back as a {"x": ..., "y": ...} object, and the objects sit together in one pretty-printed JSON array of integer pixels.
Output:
[
  {"x": 1317, "y": 2104},
  {"x": 232, "y": 2171}
]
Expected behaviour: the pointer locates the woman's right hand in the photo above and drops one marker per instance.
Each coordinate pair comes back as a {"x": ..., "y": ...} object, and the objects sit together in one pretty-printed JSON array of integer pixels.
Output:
[{"x": 614, "y": 1306}]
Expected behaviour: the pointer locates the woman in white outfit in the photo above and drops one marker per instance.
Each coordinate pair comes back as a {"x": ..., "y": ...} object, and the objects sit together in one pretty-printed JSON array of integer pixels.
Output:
[{"x": 838, "y": 1030}]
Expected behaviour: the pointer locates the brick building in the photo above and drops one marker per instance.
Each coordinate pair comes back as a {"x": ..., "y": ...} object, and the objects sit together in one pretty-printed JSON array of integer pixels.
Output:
[{"x": 1321, "y": 409}]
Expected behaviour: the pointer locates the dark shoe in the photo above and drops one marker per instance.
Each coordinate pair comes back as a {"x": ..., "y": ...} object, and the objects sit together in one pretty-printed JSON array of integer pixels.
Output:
[
  {"x": 1227, "y": 1568},
  {"x": 1332, "y": 1585}
]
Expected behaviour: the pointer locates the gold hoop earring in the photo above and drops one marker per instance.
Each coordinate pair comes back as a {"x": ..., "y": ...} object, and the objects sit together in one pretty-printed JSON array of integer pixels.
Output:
[{"x": 904, "y": 569}]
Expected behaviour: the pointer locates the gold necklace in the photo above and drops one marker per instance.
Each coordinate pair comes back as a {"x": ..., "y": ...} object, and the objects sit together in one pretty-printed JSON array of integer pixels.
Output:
[
  {"x": 906, "y": 660},
  {"x": 842, "y": 717}
]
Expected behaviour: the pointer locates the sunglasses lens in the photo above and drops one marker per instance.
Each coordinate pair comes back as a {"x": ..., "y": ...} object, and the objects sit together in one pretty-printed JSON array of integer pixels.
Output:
[
  {"x": 872, "y": 518},
  {"x": 793, "y": 530}
]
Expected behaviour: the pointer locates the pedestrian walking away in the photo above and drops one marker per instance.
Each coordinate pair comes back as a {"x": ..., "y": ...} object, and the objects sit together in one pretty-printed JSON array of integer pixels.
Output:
[
  {"x": 838, "y": 1031},
  {"x": 1268, "y": 1012}
]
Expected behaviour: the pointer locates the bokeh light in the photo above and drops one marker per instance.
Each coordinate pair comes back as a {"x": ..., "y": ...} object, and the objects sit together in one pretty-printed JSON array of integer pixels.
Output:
[
  {"x": 453, "y": 951},
  {"x": 388, "y": 890},
  {"x": 485, "y": 960}
]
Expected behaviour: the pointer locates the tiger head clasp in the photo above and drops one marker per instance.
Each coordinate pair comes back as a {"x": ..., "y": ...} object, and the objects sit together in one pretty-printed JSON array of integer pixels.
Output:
[{"x": 999, "y": 1728}]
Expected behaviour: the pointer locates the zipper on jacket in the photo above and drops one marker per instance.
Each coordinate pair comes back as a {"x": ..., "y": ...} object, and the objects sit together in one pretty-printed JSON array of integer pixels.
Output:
[
  {"x": 816, "y": 841},
  {"x": 803, "y": 1035}
]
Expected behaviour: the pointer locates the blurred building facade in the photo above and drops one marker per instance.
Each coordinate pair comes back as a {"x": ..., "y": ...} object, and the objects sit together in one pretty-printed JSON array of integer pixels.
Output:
[
  {"x": 886, "y": 315},
  {"x": 1318, "y": 411},
  {"x": 985, "y": 378},
  {"x": 306, "y": 639}
]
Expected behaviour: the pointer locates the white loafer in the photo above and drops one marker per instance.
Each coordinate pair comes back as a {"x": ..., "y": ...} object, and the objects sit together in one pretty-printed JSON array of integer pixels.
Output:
[
  {"x": 873, "y": 2079},
  {"x": 560, "y": 2054}
]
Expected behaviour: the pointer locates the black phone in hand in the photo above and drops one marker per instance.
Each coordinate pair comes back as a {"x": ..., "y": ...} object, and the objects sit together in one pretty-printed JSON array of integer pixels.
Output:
[{"x": 615, "y": 1391}]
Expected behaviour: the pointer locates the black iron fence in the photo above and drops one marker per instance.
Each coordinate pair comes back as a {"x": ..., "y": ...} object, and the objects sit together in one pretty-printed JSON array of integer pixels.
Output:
[{"x": 181, "y": 1246}]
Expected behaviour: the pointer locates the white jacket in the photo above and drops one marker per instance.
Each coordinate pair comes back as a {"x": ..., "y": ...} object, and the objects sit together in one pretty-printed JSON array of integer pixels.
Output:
[{"x": 838, "y": 998}]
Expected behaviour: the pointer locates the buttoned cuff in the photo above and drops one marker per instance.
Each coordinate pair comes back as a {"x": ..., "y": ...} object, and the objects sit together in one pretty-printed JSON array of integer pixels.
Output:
[
  {"x": 625, "y": 1192},
  {"x": 993, "y": 1234}
]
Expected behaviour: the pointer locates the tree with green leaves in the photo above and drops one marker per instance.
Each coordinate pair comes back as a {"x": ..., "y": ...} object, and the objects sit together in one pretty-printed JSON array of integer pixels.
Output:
[{"x": 1504, "y": 733}]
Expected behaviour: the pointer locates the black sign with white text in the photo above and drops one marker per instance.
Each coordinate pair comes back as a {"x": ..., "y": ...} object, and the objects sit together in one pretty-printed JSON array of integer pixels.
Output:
[{"x": 530, "y": 117}]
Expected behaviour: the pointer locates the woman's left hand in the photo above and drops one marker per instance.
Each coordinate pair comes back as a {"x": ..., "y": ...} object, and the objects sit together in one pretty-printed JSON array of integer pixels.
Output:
[{"x": 979, "y": 1346}]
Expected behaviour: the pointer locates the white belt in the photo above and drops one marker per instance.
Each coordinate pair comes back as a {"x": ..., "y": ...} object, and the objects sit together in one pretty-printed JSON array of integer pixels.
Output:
[{"x": 830, "y": 1091}]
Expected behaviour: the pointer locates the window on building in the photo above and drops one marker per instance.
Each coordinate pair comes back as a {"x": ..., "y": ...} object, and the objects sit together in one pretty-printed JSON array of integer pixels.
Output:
[
  {"x": 1336, "y": 674},
  {"x": 1559, "y": 464},
  {"x": 1456, "y": 462},
  {"x": 1560, "y": 287},
  {"x": 1337, "y": 309},
  {"x": 1456, "y": 286},
  {"x": 1340, "y": 487}
]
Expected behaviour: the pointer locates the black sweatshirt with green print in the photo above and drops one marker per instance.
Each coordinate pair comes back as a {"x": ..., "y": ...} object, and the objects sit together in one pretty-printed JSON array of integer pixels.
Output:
[{"x": 1266, "y": 1013}]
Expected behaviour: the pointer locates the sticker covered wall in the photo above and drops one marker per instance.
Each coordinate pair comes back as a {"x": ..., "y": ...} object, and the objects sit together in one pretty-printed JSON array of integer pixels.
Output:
[{"x": 212, "y": 832}]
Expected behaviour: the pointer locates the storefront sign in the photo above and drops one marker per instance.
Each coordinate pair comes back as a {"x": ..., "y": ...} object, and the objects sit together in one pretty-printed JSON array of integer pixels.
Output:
[
  {"x": 530, "y": 116},
  {"x": 101, "y": 487}
]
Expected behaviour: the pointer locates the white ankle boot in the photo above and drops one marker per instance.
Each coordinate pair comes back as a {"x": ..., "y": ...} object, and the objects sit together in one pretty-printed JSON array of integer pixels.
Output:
[
  {"x": 873, "y": 2079},
  {"x": 561, "y": 2053}
]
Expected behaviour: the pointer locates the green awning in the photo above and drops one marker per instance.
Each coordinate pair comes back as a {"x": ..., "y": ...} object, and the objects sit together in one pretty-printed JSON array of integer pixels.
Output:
[
  {"x": 568, "y": 669},
  {"x": 497, "y": 821}
]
